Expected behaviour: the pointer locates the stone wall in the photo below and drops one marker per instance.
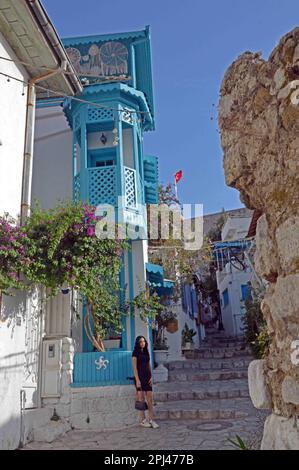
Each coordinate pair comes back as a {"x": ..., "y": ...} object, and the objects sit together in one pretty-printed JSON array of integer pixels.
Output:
[{"x": 259, "y": 124}]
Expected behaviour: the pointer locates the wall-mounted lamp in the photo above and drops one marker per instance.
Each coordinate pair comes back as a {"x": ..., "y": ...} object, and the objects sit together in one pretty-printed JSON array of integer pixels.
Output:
[{"x": 103, "y": 139}]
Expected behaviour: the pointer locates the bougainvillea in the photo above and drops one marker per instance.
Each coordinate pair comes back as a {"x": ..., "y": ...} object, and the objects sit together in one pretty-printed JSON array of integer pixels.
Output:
[
  {"x": 59, "y": 249},
  {"x": 13, "y": 254}
]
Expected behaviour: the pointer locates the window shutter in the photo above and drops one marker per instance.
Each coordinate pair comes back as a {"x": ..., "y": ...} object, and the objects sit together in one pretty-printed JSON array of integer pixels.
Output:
[{"x": 150, "y": 165}]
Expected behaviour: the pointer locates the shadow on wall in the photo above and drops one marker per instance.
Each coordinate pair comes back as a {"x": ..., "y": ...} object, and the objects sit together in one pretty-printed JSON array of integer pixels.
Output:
[
  {"x": 10, "y": 432},
  {"x": 13, "y": 311}
]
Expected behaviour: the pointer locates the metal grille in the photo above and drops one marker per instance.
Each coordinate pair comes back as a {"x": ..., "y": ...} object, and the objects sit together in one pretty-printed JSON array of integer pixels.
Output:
[
  {"x": 130, "y": 187},
  {"x": 77, "y": 188},
  {"x": 95, "y": 114},
  {"x": 102, "y": 185}
]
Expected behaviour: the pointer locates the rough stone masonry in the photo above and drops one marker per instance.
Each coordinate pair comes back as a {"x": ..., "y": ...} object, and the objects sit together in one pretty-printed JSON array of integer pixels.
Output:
[{"x": 259, "y": 124}]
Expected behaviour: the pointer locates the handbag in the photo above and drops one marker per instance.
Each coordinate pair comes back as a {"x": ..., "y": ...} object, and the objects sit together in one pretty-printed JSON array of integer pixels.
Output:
[{"x": 141, "y": 405}]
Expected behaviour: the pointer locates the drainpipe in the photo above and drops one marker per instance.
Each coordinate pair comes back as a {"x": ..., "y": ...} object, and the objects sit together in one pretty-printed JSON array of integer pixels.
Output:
[
  {"x": 29, "y": 137},
  {"x": 52, "y": 38}
]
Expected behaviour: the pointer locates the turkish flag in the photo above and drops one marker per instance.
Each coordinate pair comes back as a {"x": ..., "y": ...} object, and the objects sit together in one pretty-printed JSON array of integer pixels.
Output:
[{"x": 178, "y": 176}]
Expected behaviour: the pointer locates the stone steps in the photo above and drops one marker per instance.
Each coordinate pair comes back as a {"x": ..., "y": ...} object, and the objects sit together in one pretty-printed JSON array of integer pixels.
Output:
[
  {"x": 194, "y": 376},
  {"x": 176, "y": 391},
  {"x": 216, "y": 353},
  {"x": 204, "y": 409},
  {"x": 209, "y": 364}
]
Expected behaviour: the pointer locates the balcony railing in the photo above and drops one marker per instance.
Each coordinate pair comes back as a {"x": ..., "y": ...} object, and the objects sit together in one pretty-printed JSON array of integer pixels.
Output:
[{"x": 101, "y": 184}]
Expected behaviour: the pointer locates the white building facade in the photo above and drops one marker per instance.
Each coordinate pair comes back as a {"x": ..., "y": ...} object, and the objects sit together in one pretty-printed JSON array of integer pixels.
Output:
[
  {"x": 233, "y": 274},
  {"x": 22, "y": 39}
]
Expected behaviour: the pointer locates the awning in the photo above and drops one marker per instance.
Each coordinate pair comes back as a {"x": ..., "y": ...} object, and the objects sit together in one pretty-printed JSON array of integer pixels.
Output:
[
  {"x": 154, "y": 275},
  {"x": 155, "y": 279},
  {"x": 233, "y": 244}
]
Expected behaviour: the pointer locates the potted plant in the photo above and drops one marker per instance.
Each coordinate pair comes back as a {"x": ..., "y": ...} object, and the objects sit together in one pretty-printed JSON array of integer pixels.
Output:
[
  {"x": 160, "y": 342},
  {"x": 172, "y": 324},
  {"x": 188, "y": 334},
  {"x": 112, "y": 338},
  {"x": 161, "y": 351}
]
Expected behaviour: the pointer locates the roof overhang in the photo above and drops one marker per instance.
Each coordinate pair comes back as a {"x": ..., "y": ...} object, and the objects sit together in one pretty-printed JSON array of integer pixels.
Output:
[
  {"x": 112, "y": 91},
  {"x": 141, "y": 42},
  {"x": 33, "y": 38}
]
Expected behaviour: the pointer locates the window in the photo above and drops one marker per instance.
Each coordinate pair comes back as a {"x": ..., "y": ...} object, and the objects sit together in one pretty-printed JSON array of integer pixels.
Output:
[
  {"x": 104, "y": 163},
  {"x": 225, "y": 297}
]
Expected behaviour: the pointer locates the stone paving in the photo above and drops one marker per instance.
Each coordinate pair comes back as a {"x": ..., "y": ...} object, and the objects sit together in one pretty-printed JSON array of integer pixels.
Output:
[{"x": 172, "y": 435}]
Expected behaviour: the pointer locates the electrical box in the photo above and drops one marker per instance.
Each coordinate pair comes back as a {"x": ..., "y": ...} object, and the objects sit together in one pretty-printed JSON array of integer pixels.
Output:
[{"x": 51, "y": 368}]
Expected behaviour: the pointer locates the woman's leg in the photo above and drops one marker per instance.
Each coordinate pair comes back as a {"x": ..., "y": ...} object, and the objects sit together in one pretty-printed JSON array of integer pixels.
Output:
[
  {"x": 150, "y": 404},
  {"x": 140, "y": 397}
]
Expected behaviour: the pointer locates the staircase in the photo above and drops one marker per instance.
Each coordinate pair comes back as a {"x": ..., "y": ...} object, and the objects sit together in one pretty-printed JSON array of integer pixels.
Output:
[{"x": 211, "y": 384}]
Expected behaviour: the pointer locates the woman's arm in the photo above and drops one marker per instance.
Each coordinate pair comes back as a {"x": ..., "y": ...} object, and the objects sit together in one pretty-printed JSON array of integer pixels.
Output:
[
  {"x": 134, "y": 360},
  {"x": 151, "y": 372}
]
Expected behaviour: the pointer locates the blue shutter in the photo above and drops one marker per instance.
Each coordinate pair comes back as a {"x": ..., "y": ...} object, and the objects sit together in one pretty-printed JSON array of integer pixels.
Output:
[
  {"x": 225, "y": 298},
  {"x": 194, "y": 302},
  {"x": 245, "y": 291},
  {"x": 150, "y": 166}
]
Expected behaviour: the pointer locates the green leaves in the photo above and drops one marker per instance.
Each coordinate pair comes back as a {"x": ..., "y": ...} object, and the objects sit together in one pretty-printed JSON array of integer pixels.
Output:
[
  {"x": 239, "y": 443},
  {"x": 255, "y": 328}
]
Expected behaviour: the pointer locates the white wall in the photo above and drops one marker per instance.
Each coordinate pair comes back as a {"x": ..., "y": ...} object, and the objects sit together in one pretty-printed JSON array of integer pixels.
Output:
[
  {"x": 140, "y": 257},
  {"x": 12, "y": 350},
  {"x": 12, "y": 318},
  {"x": 52, "y": 163},
  {"x": 234, "y": 311},
  {"x": 12, "y": 132},
  {"x": 94, "y": 142},
  {"x": 235, "y": 228}
]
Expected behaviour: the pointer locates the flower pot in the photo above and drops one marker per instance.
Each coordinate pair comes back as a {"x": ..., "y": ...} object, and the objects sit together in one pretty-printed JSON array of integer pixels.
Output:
[
  {"x": 172, "y": 326},
  {"x": 188, "y": 345},
  {"x": 160, "y": 356},
  {"x": 111, "y": 343}
]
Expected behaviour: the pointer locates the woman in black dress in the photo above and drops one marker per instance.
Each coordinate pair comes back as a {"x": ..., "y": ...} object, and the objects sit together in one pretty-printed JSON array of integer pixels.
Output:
[{"x": 143, "y": 380}]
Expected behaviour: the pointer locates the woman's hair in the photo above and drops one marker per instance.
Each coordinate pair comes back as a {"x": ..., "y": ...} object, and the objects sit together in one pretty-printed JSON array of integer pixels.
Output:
[{"x": 137, "y": 347}]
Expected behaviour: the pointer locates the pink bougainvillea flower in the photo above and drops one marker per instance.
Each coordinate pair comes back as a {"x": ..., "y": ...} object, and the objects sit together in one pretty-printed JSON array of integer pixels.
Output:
[{"x": 90, "y": 231}]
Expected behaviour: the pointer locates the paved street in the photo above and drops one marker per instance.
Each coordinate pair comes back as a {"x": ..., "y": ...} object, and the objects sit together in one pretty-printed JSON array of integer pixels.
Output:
[{"x": 172, "y": 435}]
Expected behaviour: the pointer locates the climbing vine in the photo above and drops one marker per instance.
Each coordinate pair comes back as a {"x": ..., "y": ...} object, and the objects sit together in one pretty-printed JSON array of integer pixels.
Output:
[{"x": 59, "y": 248}]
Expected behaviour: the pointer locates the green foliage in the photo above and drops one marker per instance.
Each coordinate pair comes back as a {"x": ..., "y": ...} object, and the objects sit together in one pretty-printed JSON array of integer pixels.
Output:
[
  {"x": 214, "y": 233},
  {"x": 255, "y": 328},
  {"x": 239, "y": 443},
  {"x": 178, "y": 263},
  {"x": 188, "y": 334},
  {"x": 59, "y": 248}
]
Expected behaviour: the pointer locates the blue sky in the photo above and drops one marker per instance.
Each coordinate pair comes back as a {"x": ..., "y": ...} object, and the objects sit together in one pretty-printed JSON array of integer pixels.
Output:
[{"x": 193, "y": 42}]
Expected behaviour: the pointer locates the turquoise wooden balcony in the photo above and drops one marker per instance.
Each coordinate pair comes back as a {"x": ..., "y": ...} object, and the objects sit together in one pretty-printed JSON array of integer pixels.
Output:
[
  {"x": 96, "y": 369},
  {"x": 100, "y": 186}
]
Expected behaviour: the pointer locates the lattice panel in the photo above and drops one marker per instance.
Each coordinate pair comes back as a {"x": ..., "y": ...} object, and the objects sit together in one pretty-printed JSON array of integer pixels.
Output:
[
  {"x": 130, "y": 187},
  {"x": 102, "y": 185},
  {"x": 77, "y": 188},
  {"x": 95, "y": 114}
]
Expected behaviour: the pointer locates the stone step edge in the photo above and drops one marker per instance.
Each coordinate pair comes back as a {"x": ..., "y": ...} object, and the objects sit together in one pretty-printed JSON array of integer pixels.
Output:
[
  {"x": 223, "y": 375},
  {"x": 191, "y": 372},
  {"x": 161, "y": 396},
  {"x": 205, "y": 415},
  {"x": 225, "y": 365}
]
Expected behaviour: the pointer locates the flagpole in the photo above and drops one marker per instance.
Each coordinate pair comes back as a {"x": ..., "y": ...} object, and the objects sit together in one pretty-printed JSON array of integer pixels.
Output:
[{"x": 176, "y": 188}]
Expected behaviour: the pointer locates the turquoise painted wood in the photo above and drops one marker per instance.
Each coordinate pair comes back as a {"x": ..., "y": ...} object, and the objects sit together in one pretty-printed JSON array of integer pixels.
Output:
[
  {"x": 96, "y": 369},
  {"x": 150, "y": 168},
  {"x": 86, "y": 346}
]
